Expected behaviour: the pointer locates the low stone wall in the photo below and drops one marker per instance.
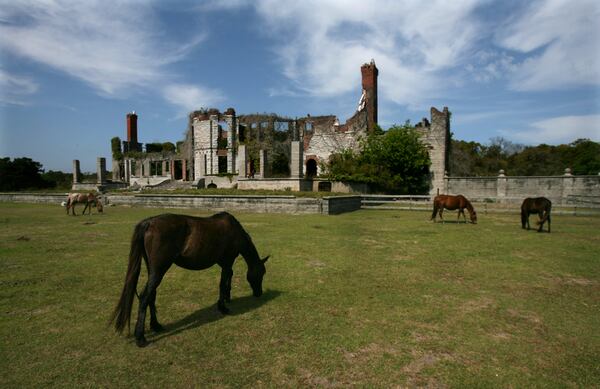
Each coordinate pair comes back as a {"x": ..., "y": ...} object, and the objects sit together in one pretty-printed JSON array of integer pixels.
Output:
[
  {"x": 35, "y": 198},
  {"x": 341, "y": 204},
  {"x": 559, "y": 189},
  {"x": 214, "y": 203}
]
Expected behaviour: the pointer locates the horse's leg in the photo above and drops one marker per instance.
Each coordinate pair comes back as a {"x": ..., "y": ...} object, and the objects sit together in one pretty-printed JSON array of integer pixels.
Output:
[
  {"x": 441, "y": 214},
  {"x": 225, "y": 287},
  {"x": 73, "y": 209},
  {"x": 548, "y": 221},
  {"x": 154, "y": 279},
  {"x": 154, "y": 324}
]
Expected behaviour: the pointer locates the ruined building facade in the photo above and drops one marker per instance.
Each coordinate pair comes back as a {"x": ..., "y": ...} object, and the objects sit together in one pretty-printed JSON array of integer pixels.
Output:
[{"x": 258, "y": 148}]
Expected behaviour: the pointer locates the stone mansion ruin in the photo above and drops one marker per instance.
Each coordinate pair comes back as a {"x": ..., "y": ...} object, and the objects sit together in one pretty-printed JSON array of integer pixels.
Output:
[{"x": 267, "y": 151}]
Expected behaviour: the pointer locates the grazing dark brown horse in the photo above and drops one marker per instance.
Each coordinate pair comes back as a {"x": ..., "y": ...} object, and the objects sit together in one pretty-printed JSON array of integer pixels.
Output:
[
  {"x": 193, "y": 243},
  {"x": 450, "y": 202},
  {"x": 88, "y": 199},
  {"x": 539, "y": 205}
]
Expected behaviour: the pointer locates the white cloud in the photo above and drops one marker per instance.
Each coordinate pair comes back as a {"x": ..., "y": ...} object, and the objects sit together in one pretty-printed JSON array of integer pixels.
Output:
[
  {"x": 320, "y": 43},
  {"x": 561, "y": 39},
  {"x": 13, "y": 88},
  {"x": 191, "y": 97},
  {"x": 559, "y": 130},
  {"x": 114, "y": 47}
]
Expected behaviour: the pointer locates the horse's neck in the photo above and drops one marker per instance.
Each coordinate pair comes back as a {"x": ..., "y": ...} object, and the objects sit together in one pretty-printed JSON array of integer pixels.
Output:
[
  {"x": 469, "y": 206},
  {"x": 249, "y": 252}
]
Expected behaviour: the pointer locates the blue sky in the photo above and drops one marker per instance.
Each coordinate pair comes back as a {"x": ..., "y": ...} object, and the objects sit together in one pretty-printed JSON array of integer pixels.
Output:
[{"x": 528, "y": 71}]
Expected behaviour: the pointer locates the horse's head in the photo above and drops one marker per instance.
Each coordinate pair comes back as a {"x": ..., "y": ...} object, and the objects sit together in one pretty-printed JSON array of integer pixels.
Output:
[
  {"x": 255, "y": 276},
  {"x": 473, "y": 216}
]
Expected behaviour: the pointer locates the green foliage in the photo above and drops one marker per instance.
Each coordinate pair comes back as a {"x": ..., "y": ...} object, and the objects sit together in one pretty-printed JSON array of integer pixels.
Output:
[
  {"x": 154, "y": 147},
  {"x": 168, "y": 147},
  {"x": 115, "y": 144},
  {"x": 58, "y": 179},
  {"x": 21, "y": 173},
  {"x": 475, "y": 159},
  {"x": 392, "y": 161}
]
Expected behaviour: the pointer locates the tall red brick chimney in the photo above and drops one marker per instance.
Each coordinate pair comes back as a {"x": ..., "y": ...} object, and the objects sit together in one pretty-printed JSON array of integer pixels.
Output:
[
  {"x": 369, "y": 84},
  {"x": 132, "y": 127}
]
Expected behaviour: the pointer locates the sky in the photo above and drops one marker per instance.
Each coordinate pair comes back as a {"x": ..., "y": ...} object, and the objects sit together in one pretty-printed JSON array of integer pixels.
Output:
[{"x": 70, "y": 71}]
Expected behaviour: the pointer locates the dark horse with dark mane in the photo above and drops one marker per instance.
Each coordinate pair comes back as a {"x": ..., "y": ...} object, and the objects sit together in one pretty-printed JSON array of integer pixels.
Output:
[
  {"x": 539, "y": 205},
  {"x": 194, "y": 243},
  {"x": 460, "y": 202}
]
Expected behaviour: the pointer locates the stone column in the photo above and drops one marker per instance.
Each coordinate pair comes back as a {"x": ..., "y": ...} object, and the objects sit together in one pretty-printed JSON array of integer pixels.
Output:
[
  {"x": 501, "y": 187},
  {"x": 127, "y": 168},
  {"x": 262, "y": 173},
  {"x": 116, "y": 170},
  {"x": 567, "y": 186},
  {"x": 146, "y": 170},
  {"x": 446, "y": 179},
  {"x": 242, "y": 161},
  {"x": 76, "y": 171},
  {"x": 163, "y": 168},
  {"x": 101, "y": 170},
  {"x": 184, "y": 169},
  {"x": 296, "y": 160}
]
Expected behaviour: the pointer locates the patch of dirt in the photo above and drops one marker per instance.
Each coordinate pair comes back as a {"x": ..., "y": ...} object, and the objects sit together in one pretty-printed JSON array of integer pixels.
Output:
[
  {"x": 477, "y": 305},
  {"x": 317, "y": 264},
  {"x": 24, "y": 238},
  {"x": 315, "y": 381},
  {"x": 420, "y": 362},
  {"x": 367, "y": 352}
]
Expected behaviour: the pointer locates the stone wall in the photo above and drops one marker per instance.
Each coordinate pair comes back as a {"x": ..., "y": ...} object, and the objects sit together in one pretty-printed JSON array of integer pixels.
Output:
[
  {"x": 215, "y": 203},
  {"x": 559, "y": 189}
]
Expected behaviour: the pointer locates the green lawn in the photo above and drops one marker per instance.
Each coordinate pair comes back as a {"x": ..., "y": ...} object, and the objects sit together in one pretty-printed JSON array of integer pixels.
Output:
[{"x": 370, "y": 298}]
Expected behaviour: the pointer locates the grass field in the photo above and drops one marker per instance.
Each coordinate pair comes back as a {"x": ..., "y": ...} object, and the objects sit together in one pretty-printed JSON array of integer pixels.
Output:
[{"x": 370, "y": 298}]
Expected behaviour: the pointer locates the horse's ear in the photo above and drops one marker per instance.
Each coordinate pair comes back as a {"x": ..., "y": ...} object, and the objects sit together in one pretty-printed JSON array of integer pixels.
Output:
[{"x": 265, "y": 259}]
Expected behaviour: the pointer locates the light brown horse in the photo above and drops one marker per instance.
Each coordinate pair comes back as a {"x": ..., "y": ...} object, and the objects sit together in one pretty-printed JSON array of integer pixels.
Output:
[
  {"x": 450, "y": 202},
  {"x": 88, "y": 199}
]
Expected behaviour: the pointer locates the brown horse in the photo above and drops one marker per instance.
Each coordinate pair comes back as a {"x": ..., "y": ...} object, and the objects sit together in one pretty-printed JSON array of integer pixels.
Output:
[
  {"x": 193, "y": 243},
  {"x": 450, "y": 202},
  {"x": 540, "y": 205},
  {"x": 88, "y": 199}
]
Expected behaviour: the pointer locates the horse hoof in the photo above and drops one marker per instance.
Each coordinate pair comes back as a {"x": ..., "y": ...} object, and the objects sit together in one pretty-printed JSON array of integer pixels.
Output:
[
  {"x": 224, "y": 310},
  {"x": 157, "y": 327},
  {"x": 141, "y": 342}
]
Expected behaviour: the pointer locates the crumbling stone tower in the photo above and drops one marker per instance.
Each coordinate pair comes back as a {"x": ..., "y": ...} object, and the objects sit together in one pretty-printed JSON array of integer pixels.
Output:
[
  {"x": 369, "y": 74},
  {"x": 436, "y": 136},
  {"x": 214, "y": 137}
]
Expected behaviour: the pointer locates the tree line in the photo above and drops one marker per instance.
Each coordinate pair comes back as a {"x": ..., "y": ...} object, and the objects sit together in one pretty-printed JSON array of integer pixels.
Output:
[
  {"x": 27, "y": 174},
  {"x": 475, "y": 159}
]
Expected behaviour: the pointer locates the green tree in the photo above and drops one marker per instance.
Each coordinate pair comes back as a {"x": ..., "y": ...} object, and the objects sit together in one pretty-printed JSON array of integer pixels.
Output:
[
  {"x": 115, "y": 144},
  {"x": 21, "y": 173},
  {"x": 394, "y": 161}
]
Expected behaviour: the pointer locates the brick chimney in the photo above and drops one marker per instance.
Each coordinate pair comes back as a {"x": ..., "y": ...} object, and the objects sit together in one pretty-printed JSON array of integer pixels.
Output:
[
  {"x": 369, "y": 84},
  {"x": 132, "y": 127}
]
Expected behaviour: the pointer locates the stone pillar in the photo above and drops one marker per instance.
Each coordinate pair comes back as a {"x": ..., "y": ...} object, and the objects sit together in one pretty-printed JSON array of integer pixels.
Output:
[
  {"x": 242, "y": 161},
  {"x": 501, "y": 187},
  {"x": 76, "y": 171},
  {"x": 127, "y": 168},
  {"x": 146, "y": 169},
  {"x": 296, "y": 160},
  {"x": 172, "y": 168},
  {"x": 101, "y": 170},
  {"x": 116, "y": 170},
  {"x": 184, "y": 170},
  {"x": 263, "y": 173},
  {"x": 567, "y": 186},
  {"x": 446, "y": 179},
  {"x": 163, "y": 168}
]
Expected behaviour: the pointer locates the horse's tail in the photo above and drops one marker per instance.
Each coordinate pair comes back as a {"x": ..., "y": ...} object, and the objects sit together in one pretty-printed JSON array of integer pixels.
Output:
[
  {"x": 122, "y": 312},
  {"x": 435, "y": 210}
]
